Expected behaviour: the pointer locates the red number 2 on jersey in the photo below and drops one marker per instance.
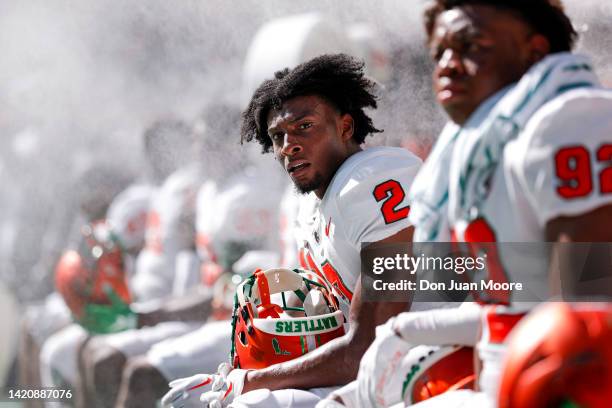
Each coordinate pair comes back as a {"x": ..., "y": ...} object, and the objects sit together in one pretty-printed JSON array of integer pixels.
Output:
[{"x": 393, "y": 194}]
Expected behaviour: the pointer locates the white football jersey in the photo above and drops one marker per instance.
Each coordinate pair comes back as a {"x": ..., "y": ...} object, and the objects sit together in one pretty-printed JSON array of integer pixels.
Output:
[
  {"x": 559, "y": 165},
  {"x": 289, "y": 207},
  {"x": 127, "y": 216},
  {"x": 365, "y": 202},
  {"x": 170, "y": 229},
  {"x": 242, "y": 211}
]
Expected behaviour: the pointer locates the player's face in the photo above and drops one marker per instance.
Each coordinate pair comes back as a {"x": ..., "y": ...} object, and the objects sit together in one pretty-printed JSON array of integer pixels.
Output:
[
  {"x": 477, "y": 50},
  {"x": 311, "y": 139}
]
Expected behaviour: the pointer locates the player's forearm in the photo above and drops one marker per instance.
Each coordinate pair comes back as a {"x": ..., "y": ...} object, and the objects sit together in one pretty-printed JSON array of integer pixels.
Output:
[
  {"x": 582, "y": 249},
  {"x": 336, "y": 363}
]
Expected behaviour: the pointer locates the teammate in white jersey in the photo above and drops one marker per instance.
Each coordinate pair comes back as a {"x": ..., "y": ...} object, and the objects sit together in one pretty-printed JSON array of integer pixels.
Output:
[
  {"x": 547, "y": 179},
  {"x": 233, "y": 214},
  {"x": 238, "y": 216},
  {"x": 123, "y": 229},
  {"x": 515, "y": 164},
  {"x": 313, "y": 118},
  {"x": 170, "y": 230}
]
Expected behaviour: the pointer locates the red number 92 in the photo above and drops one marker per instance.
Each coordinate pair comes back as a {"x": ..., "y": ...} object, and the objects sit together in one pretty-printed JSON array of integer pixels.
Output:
[{"x": 573, "y": 168}]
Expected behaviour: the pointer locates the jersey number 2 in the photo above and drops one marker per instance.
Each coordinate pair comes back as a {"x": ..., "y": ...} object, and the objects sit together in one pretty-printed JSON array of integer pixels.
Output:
[{"x": 392, "y": 193}]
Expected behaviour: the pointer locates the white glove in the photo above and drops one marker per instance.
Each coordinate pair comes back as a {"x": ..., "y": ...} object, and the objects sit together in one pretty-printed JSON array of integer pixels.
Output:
[
  {"x": 227, "y": 385},
  {"x": 379, "y": 379},
  {"x": 186, "y": 392}
]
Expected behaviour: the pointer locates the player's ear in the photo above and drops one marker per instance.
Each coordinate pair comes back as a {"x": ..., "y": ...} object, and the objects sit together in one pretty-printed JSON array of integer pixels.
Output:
[
  {"x": 539, "y": 48},
  {"x": 347, "y": 127}
]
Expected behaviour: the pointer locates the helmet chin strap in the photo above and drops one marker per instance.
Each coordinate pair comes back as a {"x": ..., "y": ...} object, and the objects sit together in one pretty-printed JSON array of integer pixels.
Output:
[{"x": 266, "y": 308}]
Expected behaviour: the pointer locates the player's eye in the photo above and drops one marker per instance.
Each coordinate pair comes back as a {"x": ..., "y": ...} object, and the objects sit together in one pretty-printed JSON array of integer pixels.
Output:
[
  {"x": 276, "y": 136},
  {"x": 476, "y": 45},
  {"x": 305, "y": 125},
  {"x": 473, "y": 47}
]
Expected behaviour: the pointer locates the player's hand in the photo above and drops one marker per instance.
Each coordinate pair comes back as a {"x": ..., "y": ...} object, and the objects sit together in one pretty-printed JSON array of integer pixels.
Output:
[
  {"x": 378, "y": 379},
  {"x": 227, "y": 385},
  {"x": 186, "y": 392}
]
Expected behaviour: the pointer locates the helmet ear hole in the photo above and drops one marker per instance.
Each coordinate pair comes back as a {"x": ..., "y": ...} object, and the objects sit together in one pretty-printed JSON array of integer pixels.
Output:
[{"x": 243, "y": 338}]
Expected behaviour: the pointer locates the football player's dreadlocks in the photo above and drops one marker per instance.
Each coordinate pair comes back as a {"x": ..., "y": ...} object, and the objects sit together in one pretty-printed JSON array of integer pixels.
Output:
[{"x": 337, "y": 78}]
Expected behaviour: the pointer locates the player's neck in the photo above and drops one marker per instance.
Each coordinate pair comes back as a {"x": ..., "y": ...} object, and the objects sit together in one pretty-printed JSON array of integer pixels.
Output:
[{"x": 320, "y": 192}]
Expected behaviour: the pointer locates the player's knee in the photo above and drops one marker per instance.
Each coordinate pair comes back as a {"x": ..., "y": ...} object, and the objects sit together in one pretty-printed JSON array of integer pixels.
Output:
[
  {"x": 50, "y": 352},
  {"x": 334, "y": 401},
  {"x": 24, "y": 326},
  {"x": 86, "y": 352},
  {"x": 103, "y": 362},
  {"x": 264, "y": 398},
  {"x": 140, "y": 375},
  {"x": 26, "y": 337}
]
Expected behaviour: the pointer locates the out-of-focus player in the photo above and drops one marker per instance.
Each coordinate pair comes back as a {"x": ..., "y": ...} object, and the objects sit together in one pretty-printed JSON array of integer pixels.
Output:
[
  {"x": 169, "y": 238},
  {"x": 514, "y": 163},
  {"x": 236, "y": 218},
  {"x": 97, "y": 186},
  {"x": 233, "y": 215},
  {"x": 104, "y": 262},
  {"x": 313, "y": 119}
]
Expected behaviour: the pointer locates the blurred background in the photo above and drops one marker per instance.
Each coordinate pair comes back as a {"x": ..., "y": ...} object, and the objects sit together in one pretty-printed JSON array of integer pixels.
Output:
[{"x": 80, "y": 81}]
